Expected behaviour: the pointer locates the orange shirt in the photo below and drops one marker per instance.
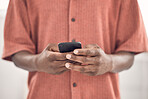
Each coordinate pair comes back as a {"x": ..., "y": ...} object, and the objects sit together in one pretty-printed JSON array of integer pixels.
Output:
[{"x": 115, "y": 25}]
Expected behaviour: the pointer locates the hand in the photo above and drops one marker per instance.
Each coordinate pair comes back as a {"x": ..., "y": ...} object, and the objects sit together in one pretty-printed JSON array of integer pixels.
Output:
[
  {"x": 51, "y": 61},
  {"x": 95, "y": 60}
]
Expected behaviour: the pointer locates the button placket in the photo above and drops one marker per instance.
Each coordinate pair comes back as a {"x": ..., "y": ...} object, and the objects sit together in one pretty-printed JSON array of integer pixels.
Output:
[
  {"x": 72, "y": 19},
  {"x": 72, "y": 27}
]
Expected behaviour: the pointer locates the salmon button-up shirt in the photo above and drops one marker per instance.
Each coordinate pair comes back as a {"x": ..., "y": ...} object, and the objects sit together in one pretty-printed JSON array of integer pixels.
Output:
[{"x": 115, "y": 25}]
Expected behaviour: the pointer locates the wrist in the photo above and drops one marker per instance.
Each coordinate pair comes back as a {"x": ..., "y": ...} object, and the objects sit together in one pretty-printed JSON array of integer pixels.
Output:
[
  {"x": 35, "y": 62},
  {"x": 111, "y": 64}
]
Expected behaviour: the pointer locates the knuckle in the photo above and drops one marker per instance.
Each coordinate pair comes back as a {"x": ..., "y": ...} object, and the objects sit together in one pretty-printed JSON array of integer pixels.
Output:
[
  {"x": 96, "y": 60},
  {"x": 87, "y": 52},
  {"x": 84, "y": 59},
  {"x": 47, "y": 54},
  {"x": 73, "y": 57},
  {"x": 48, "y": 47},
  {"x": 97, "y": 51}
]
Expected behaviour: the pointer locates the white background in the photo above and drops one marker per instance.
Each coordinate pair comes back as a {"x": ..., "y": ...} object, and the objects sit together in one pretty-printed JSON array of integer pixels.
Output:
[{"x": 133, "y": 83}]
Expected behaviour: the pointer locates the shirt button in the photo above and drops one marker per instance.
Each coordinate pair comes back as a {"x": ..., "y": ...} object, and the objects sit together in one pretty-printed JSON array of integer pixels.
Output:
[
  {"x": 73, "y": 20},
  {"x": 74, "y": 84}
]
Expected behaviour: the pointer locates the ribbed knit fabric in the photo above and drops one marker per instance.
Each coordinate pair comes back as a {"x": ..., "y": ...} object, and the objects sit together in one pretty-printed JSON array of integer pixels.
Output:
[{"x": 115, "y": 25}]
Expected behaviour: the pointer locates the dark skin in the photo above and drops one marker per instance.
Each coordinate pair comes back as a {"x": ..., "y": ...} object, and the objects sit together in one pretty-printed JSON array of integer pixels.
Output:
[
  {"x": 96, "y": 62},
  {"x": 48, "y": 61},
  {"x": 90, "y": 60}
]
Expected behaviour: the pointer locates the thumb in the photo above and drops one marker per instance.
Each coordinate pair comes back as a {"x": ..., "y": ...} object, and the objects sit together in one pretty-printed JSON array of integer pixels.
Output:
[{"x": 52, "y": 47}]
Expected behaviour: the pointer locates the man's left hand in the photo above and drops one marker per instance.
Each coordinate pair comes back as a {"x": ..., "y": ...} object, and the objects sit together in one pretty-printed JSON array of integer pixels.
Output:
[{"x": 95, "y": 60}]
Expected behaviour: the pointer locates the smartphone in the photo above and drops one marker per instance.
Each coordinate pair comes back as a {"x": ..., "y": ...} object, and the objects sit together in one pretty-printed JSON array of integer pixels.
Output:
[{"x": 69, "y": 46}]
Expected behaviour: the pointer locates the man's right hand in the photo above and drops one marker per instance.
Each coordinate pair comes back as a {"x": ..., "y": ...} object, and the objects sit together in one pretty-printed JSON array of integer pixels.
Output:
[{"x": 51, "y": 61}]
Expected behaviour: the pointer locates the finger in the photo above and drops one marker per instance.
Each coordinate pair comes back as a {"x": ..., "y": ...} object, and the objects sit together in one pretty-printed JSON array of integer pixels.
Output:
[
  {"x": 56, "y": 56},
  {"x": 55, "y": 48},
  {"x": 62, "y": 63},
  {"x": 91, "y": 46},
  {"x": 59, "y": 56},
  {"x": 88, "y": 68},
  {"x": 73, "y": 62},
  {"x": 88, "y": 52},
  {"x": 82, "y": 59},
  {"x": 52, "y": 47},
  {"x": 59, "y": 63}
]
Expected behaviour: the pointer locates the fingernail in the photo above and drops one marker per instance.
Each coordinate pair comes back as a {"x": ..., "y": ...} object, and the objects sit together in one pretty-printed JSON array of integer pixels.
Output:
[
  {"x": 67, "y": 65},
  {"x": 76, "y": 51},
  {"x": 68, "y": 56}
]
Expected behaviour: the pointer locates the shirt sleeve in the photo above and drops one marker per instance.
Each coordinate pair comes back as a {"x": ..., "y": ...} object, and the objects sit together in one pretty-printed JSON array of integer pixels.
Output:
[
  {"x": 131, "y": 34},
  {"x": 17, "y": 32}
]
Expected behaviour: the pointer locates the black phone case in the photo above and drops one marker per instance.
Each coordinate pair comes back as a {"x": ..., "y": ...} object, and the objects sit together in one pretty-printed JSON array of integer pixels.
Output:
[{"x": 69, "y": 46}]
